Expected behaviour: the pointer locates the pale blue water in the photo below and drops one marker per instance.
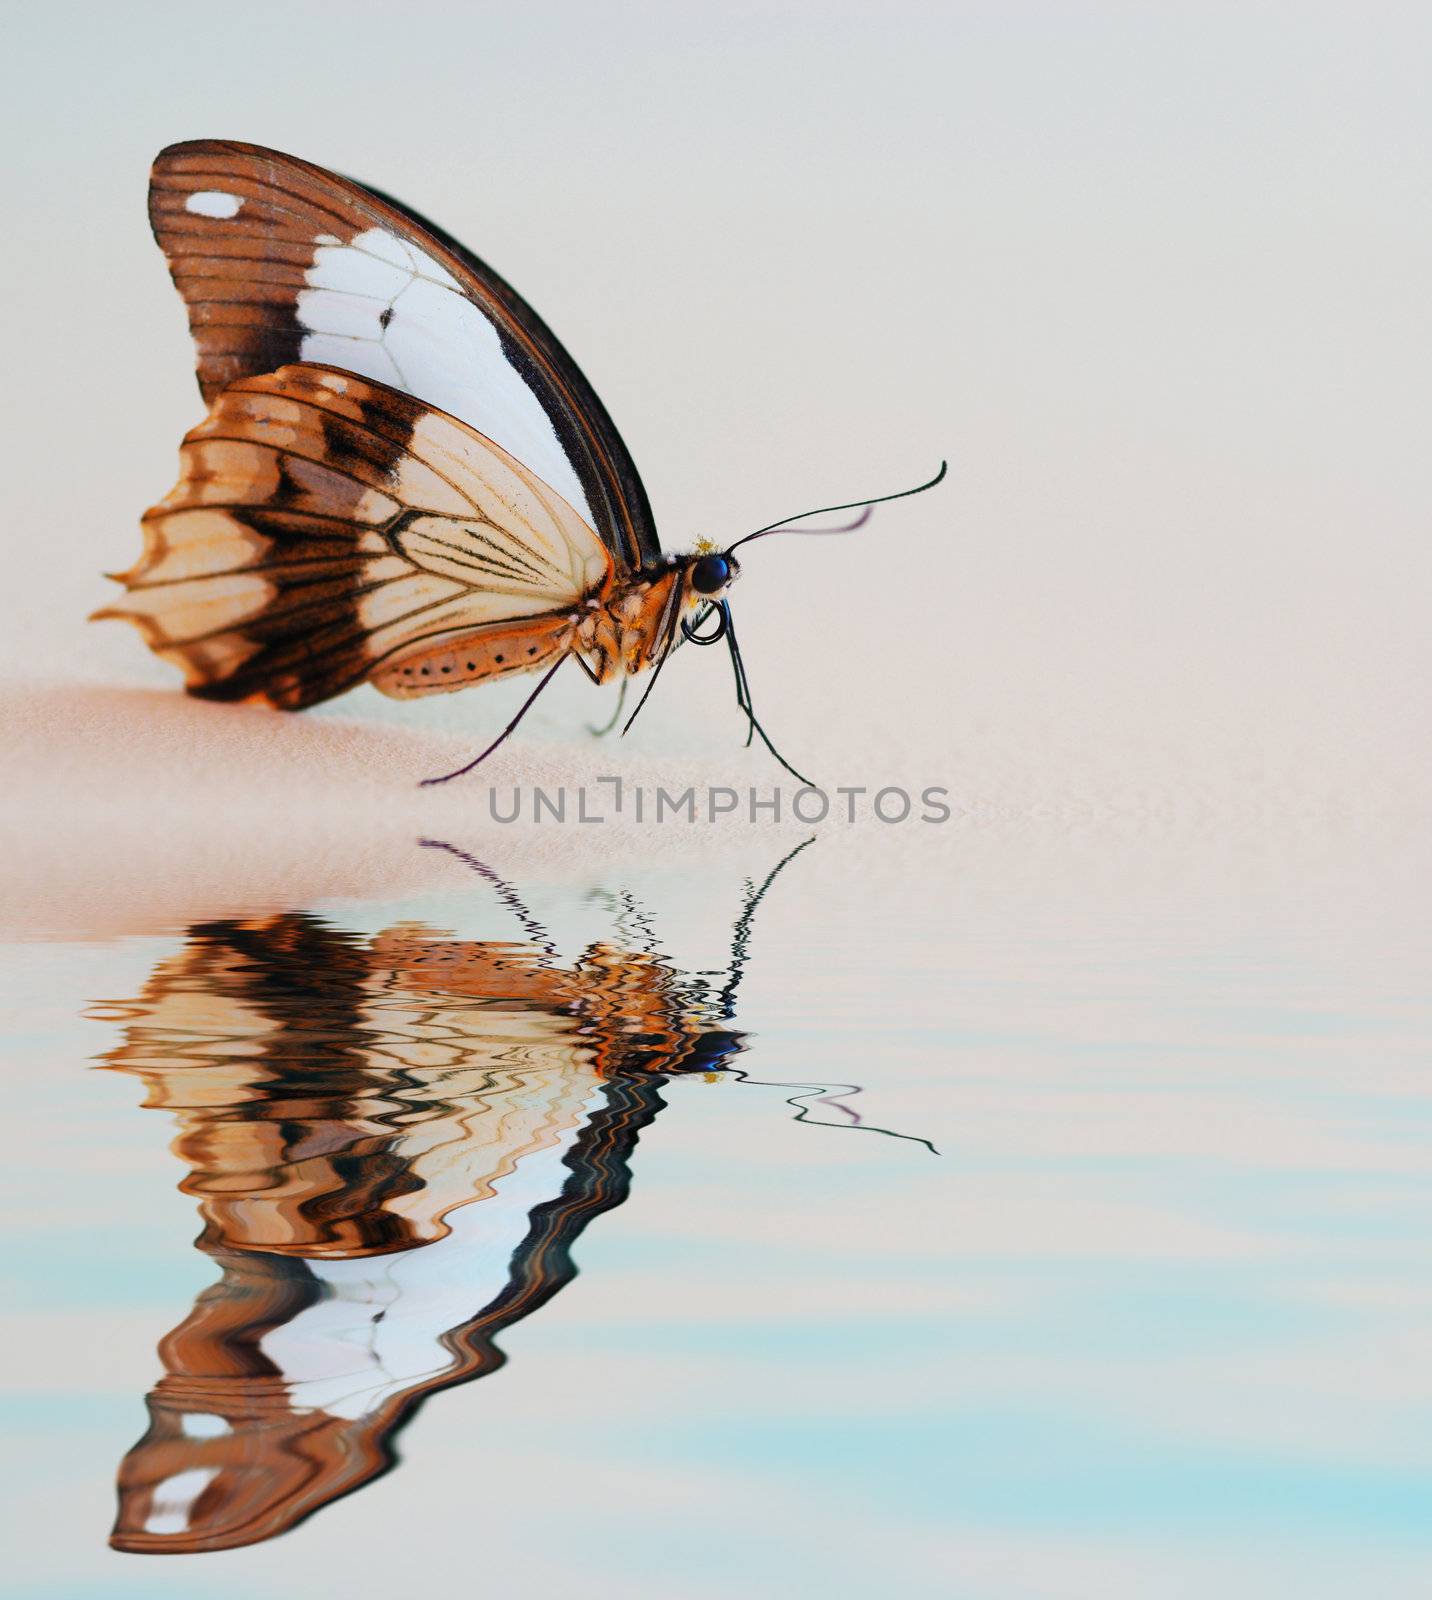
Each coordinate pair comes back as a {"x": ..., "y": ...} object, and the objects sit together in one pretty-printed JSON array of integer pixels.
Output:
[{"x": 1155, "y": 1321}]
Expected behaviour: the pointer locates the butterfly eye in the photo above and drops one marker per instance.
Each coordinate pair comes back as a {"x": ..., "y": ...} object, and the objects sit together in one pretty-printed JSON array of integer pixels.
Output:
[{"x": 710, "y": 574}]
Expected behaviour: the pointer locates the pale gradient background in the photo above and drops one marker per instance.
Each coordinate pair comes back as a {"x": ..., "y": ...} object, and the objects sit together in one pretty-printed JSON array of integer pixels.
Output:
[{"x": 1155, "y": 278}]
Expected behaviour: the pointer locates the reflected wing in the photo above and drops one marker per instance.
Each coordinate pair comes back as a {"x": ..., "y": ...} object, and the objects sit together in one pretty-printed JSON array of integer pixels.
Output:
[
  {"x": 280, "y": 261},
  {"x": 325, "y": 528}
]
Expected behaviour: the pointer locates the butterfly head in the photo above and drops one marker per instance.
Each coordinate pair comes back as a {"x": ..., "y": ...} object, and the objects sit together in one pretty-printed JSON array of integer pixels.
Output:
[
  {"x": 705, "y": 576},
  {"x": 712, "y": 573}
]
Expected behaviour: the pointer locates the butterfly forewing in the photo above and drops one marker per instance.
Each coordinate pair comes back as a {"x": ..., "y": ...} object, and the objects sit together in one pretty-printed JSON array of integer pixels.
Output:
[
  {"x": 326, "y": 529},
  {"x": 279, "y": 261}
]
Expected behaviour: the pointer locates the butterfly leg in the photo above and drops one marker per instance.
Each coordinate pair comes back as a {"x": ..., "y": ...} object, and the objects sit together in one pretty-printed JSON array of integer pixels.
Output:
[
  {"x": 743, "y": 689},
  {"x": 547, "y": 677},
  {"x": 634, "y": 916},
  {"x": 743, "y": 698},
  {"x": 616, "y": 715}
]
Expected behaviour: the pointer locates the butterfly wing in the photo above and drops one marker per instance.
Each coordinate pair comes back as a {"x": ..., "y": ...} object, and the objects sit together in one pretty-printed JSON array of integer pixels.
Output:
[
  {"x": 279, "y": 261},
  {"x": 327, "y": 528}
]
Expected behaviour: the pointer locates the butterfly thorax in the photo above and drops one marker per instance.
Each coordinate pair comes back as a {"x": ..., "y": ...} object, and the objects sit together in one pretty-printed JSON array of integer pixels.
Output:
[
  {"x": 629, "y": 628},
  {"x": 632, "y": 623}
]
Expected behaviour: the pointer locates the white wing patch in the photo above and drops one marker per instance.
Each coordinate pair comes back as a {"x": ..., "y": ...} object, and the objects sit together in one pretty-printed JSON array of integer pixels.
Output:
[
  {"x": 382, "y": 1325},
  {"x": 383, "y": 308},
  {"x": 213, "y": 203},
  {"x": 204, "y": 1425},
  {"x": 175, "y": 1497}
]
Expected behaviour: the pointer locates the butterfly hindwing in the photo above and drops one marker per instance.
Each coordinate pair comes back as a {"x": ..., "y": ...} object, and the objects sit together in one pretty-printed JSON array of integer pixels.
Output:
[
  {"x": 279, "y": 261},
  {"x": 326, "y": 529}
]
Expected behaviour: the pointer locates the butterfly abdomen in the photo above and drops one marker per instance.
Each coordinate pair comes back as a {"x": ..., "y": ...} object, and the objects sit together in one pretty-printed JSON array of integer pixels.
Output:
[{"x": 493, "y": 652}]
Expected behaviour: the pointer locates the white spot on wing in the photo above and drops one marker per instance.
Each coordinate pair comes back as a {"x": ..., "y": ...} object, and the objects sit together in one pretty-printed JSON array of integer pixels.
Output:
[
  {"x": 213, "y": 203},
  {"x": 174, "y": 1499},
  {"x": 435, "y": 345},
  {"x": 203, "y": 1425}
]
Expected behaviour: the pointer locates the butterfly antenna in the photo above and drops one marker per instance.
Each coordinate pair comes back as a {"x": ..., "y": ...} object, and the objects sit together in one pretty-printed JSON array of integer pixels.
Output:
[
  {"x": 840, "y": 527},
  {"x": 447, "y": 777},
  {"x": 849, "y": 505},
  {"x": 740, "y": 954},
  {"x": 821, "y": 1092}
]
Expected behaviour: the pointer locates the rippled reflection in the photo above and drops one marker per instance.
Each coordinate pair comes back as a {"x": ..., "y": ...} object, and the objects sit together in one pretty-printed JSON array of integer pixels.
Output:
[{"x": 394, "y": 1142}]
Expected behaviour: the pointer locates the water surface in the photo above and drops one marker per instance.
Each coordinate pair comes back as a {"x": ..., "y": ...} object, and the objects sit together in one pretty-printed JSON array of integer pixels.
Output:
[{"x": 1037, "y": 1225}]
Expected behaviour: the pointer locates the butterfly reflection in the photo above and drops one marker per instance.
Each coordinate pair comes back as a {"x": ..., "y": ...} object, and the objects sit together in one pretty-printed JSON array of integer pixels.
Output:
[{"x": 394, "y": 1142}]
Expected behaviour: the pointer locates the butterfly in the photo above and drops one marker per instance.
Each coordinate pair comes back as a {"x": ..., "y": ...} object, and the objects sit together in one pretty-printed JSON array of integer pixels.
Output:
[{"x": 403, "y": 478}]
